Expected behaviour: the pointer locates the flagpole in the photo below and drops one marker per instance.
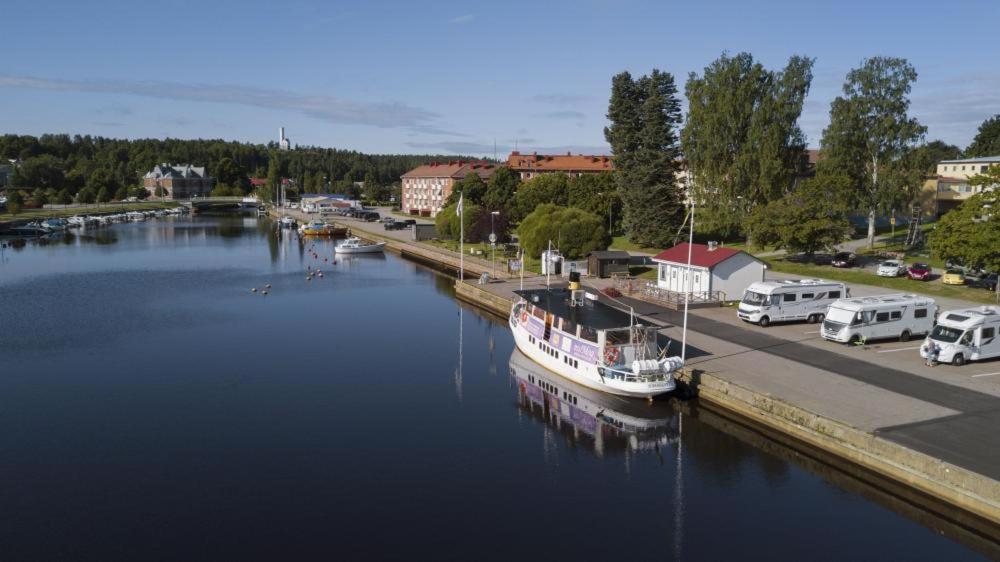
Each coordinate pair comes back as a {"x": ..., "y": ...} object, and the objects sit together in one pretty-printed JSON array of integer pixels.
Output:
[
  {"x": 522, "y": 268},
  {"x": 461, "y": 240}
]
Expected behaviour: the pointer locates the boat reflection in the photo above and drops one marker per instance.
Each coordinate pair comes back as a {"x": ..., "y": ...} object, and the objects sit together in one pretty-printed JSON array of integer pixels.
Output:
[{"x": 600, "y": 421}]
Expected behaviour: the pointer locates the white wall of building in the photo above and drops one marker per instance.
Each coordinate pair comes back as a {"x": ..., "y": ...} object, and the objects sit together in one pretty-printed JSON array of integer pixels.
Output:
[{"x": 734, "y": 275}]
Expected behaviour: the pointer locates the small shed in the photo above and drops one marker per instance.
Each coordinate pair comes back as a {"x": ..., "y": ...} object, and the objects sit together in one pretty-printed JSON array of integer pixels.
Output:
[
  {"x": 603, "y": 263},
  {"x": 713, "y": 270}
]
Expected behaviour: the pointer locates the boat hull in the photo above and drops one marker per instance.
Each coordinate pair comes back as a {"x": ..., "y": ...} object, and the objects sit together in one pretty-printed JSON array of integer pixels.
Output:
[
  {"x": 367, "y": 249},
  {"x": 584, "y": 372}
]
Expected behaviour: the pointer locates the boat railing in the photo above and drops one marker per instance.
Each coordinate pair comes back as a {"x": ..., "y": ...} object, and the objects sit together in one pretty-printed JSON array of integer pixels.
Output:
[{"x": 651, "y": 292}]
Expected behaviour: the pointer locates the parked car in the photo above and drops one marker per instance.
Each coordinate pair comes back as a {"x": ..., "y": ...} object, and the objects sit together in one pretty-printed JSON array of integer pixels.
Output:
[
  {"x": 388, "y": 219},
  {"x": 844, "y": 259},
  {"x": 890, "y": 268},
  {"x": 919, "y": 272},
  {"x": 410, "y": 222},
  {"x": 987, "y": 281},
  {"x": 396, "y": 225},
  {"x": 953, "y": 277}
]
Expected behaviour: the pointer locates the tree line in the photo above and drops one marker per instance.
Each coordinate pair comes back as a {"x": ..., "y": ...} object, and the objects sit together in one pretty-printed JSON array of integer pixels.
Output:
[{"x": 64, "y": 165}]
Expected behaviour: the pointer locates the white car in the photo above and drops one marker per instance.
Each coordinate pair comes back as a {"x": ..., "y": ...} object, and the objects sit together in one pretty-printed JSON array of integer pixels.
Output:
[{"x": 891, "y": 268}]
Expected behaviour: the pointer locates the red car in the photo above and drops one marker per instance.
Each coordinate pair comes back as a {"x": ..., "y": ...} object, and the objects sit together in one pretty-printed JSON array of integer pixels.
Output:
[{"x": 919, "y": 272}]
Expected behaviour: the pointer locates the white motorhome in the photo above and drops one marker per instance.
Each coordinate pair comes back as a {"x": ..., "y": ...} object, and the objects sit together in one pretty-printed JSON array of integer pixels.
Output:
[
  {"x": 778, "y": 301},
  {"x": 884, "y": 316},
  {"x": 965, "y": 335}
]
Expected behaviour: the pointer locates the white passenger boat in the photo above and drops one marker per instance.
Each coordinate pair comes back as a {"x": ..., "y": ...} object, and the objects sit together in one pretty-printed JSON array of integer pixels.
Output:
[
  {"x": 355, "y": 245},
  {"x": 575, "y": 335}
]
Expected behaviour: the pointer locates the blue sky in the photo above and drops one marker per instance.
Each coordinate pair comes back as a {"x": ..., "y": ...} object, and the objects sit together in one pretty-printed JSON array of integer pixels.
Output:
[{"x": 417, "y": 77}]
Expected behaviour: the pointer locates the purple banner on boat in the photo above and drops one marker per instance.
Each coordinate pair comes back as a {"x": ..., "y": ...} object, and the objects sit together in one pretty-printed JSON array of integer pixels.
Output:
[
  {"x": 535, "y": 328},
  {"x": 584, "y": 351}
]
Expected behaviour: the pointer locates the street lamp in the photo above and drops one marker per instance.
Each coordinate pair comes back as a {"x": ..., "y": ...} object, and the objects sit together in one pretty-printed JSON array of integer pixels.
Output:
[{"x": 493, "y": 240}]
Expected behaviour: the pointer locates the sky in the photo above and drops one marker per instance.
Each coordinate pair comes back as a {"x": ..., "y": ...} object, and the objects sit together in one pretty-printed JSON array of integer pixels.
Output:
[{"x": 452, "y": 77}]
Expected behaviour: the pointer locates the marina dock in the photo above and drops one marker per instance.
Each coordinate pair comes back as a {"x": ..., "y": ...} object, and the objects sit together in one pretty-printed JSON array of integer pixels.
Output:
[
  {"x": 933, "y": 437},
  {"x": 928, "y": 431}
]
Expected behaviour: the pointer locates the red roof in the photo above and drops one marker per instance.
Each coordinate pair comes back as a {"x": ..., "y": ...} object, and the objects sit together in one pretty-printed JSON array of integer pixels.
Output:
[{"x": 700, "y": 255}]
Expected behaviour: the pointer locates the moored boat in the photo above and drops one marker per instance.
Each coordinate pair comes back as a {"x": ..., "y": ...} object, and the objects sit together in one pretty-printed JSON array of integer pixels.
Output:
[
  {"x": 320, "y": 228},
  {"x": 355, "y": 245},
  {"x": 575, "y": 335}
]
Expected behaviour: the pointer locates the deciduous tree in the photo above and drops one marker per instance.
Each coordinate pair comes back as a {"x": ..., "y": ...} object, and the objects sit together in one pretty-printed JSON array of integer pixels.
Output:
[
  {"x": 970, "y": 234},
  {"x": 870, "y": 133},
  {"x": 807, "y": 220},
  {"x": 472, "y": 186},
  {"x": 741, "y": 140},
  {"x": 15, "y": 202},
  {"x": 574, "y": 231},
  {"x": 987, "y": 140},
  {"x": 544, "y": 188},
  {"x": 501, "y": 189},
  {"x": 449, "y": 227}
]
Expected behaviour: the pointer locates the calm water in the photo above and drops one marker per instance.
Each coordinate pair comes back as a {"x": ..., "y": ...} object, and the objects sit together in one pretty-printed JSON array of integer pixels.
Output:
[{"x": 151, "y": 406}]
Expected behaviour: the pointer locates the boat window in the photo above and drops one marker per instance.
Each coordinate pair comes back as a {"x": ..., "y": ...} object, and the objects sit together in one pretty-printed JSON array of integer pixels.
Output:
[
  {"x": 568, "y": 327},
  {"x": 616, "y": 337},
  {"x": 538, "y": 313},
  {"x": 789, "y": 297},
  {"x": 920, "y": 313},
  {"x": 895, "y": 315},
  {"x": 588, "y": 333},
  {"x": 945, "y": 334}
]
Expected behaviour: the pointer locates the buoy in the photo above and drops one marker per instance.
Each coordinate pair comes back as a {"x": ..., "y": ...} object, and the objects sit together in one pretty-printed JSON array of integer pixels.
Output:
[{"x": 253, "y": 290}]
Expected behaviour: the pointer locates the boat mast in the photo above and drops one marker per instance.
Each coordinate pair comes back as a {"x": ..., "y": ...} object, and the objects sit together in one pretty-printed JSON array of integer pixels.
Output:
[
  {"x": 690, "y": 285},
  {"x": 548, "y": 264}
]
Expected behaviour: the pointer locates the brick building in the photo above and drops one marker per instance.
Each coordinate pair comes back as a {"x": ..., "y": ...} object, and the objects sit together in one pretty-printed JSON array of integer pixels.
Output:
[
  {"x": 179, "y": 181},
  {"x": 426, "y": 188},
  {"x": 530, "y": 165}
]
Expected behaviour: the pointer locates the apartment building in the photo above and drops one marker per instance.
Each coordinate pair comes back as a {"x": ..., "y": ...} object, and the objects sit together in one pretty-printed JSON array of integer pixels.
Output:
[{"x": 426, "y": 188}]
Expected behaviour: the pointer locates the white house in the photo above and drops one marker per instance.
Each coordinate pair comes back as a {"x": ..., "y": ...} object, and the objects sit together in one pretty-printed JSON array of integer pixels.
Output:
[{"x": 713, "y": 269}]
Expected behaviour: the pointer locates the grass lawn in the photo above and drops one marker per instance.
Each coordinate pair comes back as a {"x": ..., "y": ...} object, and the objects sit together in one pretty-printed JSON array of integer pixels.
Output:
[
  {"x": 623, "y": 243},
  {"x": 31, "y": 214},
  {"x": 532, "y": 265},
  {"x": 933, "y": 288},
  {"x": 642, "y": 272}
]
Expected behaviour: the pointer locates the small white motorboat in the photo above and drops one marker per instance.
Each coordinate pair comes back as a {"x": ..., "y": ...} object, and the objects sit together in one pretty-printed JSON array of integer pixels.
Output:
[{"x": 355, "y": 245}]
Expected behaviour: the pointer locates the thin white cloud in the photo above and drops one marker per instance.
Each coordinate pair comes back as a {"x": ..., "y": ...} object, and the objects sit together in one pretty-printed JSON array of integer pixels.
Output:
[
  {"x": 559, "y": 99},
  {"x": 564, "y": 114},
  {"x": 482, "y": 148},
  {"x": 462, "y": 19},
  {"x": 326, "y": 108}
]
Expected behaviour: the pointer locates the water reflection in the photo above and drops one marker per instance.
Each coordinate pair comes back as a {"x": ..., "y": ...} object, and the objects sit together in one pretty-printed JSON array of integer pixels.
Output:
[{"x": 601, "y": 422}]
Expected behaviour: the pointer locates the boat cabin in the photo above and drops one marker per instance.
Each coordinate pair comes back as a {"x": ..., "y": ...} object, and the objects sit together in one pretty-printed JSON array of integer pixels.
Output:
[{"x": 586, "y": 327}]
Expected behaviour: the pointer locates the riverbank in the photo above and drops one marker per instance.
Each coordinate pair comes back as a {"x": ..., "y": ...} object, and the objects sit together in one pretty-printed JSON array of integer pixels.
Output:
[
  {"x": 27, "y": 215},
  {"x": 894, "y": 424}
]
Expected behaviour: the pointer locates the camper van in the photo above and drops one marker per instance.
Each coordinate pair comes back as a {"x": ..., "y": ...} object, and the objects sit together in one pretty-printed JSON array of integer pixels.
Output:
[
  {"x": 884, "y": 316},
  {"x": 780, "y": 301},
  {"x": 964, "y": 335}
]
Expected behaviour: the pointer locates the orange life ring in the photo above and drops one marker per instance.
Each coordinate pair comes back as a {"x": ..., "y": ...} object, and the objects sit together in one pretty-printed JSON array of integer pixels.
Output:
[
  {"x": 611, "y": 355},
  {"x": 524, "y": 316}
]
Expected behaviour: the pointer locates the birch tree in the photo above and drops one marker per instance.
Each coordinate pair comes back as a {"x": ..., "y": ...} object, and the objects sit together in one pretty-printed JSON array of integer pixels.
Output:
[{"x": 870, "y": 134}]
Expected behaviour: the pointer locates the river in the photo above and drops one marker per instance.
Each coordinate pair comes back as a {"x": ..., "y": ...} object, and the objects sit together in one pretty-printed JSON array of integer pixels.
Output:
[{"x": 153, "y": 407}]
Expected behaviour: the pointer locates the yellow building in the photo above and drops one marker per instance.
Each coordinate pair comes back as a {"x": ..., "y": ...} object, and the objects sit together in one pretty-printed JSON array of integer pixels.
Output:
[{"x": 950, "y": 187}]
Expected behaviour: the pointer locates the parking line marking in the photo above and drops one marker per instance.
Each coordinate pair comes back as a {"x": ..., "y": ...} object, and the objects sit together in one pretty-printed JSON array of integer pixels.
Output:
[
  {"x": 814, "y": 332},
  {"x": 900, "y": 349},
  {"x": 986, "y": 374}
]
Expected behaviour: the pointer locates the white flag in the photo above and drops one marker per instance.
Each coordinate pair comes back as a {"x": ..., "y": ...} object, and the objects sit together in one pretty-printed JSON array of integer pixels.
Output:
[{"x": 458, "y": 209}]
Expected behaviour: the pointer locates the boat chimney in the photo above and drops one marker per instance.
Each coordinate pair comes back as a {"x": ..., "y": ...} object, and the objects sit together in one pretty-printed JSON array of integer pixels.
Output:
[{"x": 574, "y": 280}]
